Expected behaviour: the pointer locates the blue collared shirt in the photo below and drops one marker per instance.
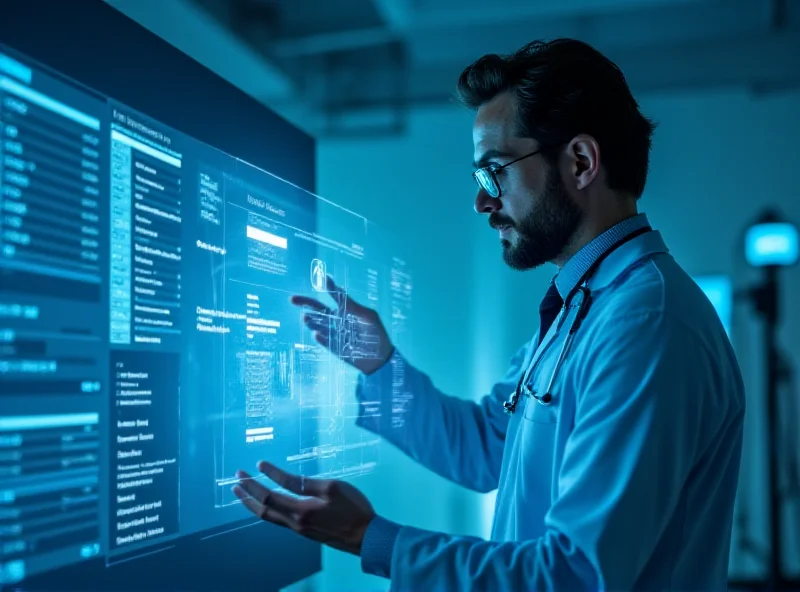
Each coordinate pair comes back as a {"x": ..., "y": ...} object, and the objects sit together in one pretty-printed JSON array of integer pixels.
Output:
[{"x": 625, "y": 481}]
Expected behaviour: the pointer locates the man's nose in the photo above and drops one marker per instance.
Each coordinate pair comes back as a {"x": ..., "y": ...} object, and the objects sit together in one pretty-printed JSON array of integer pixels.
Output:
[{"x": 486, "y": 204}]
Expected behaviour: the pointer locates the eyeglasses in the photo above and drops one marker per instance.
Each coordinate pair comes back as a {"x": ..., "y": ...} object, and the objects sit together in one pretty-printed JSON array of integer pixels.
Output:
[{"x": 486, "y": 177}]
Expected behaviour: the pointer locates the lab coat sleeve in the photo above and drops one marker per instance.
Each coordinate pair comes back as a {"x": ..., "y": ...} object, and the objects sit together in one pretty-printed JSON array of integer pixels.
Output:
[
  {"x": 458, "y": 439},
  {"x": 633, "y": 446}
]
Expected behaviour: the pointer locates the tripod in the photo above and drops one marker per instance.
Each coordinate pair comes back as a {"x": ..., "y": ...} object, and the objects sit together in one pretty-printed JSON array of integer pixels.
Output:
[{"x": 765, "y": 298}]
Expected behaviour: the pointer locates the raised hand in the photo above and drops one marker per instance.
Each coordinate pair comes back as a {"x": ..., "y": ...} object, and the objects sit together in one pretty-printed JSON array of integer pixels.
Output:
[
  {"x": 351, "y": 331},
  {"x": 331, "y": 512}
]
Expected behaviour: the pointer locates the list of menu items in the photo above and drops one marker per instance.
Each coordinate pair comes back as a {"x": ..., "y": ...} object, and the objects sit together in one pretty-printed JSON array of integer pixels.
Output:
[{"x": 144, "y": 447}]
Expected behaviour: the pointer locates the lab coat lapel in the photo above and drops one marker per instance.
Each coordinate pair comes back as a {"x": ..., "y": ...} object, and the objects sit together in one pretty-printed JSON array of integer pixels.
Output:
[{"x": 548, "y": 338}]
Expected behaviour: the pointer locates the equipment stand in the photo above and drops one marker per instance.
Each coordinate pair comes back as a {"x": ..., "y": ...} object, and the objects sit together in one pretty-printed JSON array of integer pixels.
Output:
[{"x": 767, "y": 304}]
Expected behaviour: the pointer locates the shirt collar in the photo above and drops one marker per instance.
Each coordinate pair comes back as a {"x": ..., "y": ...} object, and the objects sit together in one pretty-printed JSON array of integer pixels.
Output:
[{"x": 572, "y": 272}]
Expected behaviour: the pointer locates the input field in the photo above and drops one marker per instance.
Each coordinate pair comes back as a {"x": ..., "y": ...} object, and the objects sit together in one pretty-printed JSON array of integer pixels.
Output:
[
  {"x": 144, "y": 148},
  {"x": 45, "y": 422},
  {"x": 266, "y": 237},
  {"x": 45, "y": 102},
  {"x": 259, "y": 431},
  {"x": 263, "y": 322}
]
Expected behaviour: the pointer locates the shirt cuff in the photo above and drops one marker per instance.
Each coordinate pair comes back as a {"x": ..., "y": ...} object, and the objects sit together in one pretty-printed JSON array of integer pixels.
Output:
[{"x": 378, "y": 546}]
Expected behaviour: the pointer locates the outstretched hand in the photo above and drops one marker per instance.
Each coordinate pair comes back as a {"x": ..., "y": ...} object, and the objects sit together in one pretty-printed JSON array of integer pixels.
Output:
[
  {"x": 351, "y": 331},
  {"x": 331, "y": 512}
]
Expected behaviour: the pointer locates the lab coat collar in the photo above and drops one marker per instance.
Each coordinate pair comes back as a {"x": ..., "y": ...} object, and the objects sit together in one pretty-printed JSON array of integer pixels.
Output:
[
  {"x": 646, "y": 245},
  {"x": 572, "y": 272},
  {"x": 622, "y": 258}
]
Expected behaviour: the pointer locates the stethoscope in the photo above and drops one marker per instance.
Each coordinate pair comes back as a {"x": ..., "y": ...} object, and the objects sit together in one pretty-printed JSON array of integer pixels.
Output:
[{"x": 580, "y": 291}]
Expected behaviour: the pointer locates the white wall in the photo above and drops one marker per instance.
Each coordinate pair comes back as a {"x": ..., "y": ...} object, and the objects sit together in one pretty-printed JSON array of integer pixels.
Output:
[{"x": 718, "y": 159}]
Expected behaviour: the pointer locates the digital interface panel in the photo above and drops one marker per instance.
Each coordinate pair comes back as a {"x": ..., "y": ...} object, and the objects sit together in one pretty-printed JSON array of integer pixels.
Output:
[{"x": 148, "y": 348}]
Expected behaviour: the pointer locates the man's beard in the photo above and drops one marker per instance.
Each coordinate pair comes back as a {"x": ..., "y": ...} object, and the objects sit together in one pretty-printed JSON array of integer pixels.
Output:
[{"x": 544, "y": 234}]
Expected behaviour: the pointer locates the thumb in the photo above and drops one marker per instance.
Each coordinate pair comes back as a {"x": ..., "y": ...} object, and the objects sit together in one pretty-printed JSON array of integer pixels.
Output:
[{"x": 340, "y": 296}]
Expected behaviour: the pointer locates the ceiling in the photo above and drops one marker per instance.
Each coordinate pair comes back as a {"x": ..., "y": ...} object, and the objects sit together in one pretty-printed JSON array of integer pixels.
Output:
[{"x": 339, "y": 67}]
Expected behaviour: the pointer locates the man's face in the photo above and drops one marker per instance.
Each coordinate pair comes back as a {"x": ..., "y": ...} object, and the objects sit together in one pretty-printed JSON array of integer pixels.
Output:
[{"x": 535, "y": 215}]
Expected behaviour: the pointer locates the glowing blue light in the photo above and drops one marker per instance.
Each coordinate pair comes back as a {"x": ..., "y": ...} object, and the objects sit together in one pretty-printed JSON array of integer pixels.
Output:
[
  {"x": 719, "y": 290},
  {"x": 774, "y": 243}
]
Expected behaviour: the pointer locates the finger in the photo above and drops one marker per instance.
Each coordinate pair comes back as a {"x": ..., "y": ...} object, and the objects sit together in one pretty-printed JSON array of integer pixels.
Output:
[
  {"x": 310, "y": 303},
  {"x": 249, "y": 502},
  {"x": 315, "y": 321},
  {"x": 330, "y": 285},
  {"x": 293, "y": 483},
  {"x": 343, "y": 299},
  {"x": 252, "y": 487},
  {"x": 323, "y": 338},
  {"x": 262, "y": 511},
  {"x": 297, "y": 484},
  {"x": 267, "y": 497},
  {"x": 286, "y": 504},
  {"x": 338, "y": 294}
]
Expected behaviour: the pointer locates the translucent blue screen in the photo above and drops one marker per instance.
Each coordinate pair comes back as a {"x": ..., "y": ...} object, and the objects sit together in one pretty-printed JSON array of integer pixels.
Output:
[{"x": 148, "y": 348}]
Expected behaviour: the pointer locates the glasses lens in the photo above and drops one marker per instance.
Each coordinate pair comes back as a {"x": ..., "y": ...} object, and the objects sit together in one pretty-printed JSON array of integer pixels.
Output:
[{"x": 485, "y": 181}]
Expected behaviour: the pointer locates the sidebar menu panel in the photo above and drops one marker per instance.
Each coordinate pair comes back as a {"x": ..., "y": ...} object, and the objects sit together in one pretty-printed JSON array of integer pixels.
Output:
[
  {"x": 145, "y": 236},
  {"x": 52, "y": 321},
  {"x": 145, "y": 332},
  {"x": 144, "y": 466}
]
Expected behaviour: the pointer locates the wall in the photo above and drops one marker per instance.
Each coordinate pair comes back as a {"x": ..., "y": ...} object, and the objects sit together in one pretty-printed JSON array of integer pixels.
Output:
[{"x": 718, "y": 159}]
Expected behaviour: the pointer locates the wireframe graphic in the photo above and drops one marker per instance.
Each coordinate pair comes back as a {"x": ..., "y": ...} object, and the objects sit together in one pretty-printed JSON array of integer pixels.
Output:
[
  {"x": 287, "y": 397},
  {"x": 318, "y": 275}
]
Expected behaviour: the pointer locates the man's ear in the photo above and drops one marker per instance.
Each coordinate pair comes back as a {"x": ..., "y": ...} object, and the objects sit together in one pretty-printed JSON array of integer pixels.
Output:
[{"x": 584, "y": 160}]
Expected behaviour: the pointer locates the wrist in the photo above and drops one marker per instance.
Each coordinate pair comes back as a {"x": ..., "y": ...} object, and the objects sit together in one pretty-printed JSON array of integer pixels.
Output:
[{"x": 372, "y": 366}]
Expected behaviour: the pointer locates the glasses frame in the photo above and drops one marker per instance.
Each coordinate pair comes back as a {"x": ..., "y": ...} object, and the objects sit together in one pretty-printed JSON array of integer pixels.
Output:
[{"x": 490, "y": 184}]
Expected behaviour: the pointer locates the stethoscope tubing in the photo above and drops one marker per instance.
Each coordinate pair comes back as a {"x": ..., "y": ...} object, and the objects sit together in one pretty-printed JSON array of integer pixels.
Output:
[
  {"x": 582, "y": 288},
  {"x": 547, "y": 397}
]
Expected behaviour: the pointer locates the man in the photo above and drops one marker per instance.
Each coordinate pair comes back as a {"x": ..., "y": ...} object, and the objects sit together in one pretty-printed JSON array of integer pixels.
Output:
[{"x": 617, "y": 466}]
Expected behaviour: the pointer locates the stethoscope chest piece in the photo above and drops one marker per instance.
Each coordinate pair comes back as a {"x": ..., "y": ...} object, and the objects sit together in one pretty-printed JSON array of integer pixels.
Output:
[
  {"x": 545, "y": 400},
  {"x": 510, "y": 406}
]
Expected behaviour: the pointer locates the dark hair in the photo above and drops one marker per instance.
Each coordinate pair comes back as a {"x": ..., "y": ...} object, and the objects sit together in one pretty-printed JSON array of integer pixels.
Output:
[{"x": 564, "y": 88}]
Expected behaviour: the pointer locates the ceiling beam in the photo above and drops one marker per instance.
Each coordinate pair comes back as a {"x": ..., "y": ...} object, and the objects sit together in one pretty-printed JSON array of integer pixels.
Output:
[
  {"x": 444, "y": 14},
  {"x": 326, "y": 43},
  {"x": 778, "y": 14},
  {"x": 760, "y": 63},
  {"x": 435, "y": 34},
  {"x": 395, "y": 13},
  {"x": 201, "y": 37},
  {"x": 660, "y": 27}
]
